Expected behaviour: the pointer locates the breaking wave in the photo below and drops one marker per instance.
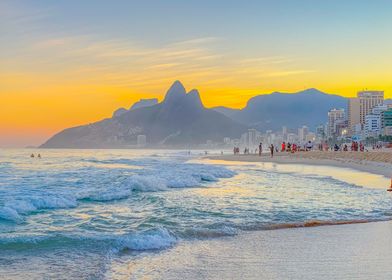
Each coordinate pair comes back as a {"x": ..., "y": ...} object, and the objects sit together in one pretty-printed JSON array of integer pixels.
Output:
[
  {"x": 160, "y": 178},
  {"x": 14, "y": 209},
  {"x": 152, "y": 239}
]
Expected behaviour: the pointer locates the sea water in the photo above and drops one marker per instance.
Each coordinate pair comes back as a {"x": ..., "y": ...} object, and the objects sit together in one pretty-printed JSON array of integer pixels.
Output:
[{"x": 72, "y": 213}]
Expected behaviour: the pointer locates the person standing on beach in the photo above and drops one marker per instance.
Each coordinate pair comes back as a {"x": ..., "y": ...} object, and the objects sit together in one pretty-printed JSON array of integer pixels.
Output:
[
  {"x": 272, "y": 150},
  {"x": 260, "y": 148}
]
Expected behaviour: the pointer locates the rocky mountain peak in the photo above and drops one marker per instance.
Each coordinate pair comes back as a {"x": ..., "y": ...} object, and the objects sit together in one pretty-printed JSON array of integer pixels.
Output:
[{"x": 177, "y": 90}]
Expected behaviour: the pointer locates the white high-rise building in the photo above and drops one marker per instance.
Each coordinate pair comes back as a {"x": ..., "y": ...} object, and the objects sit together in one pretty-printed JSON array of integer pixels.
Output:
[
  {"x": 335, "y": 117},
  {"x": 361, "y": 106},
  {"x": 226, "y": 140},
  {"x": 292, "y": 138},
  {"x": 284, "y": 133},
  {"x": 373, "y": 121},
  {"x": 311, "y": 136},
  {"x": 368, "y": 99},
  {"x": 252, "y": 137},
  {"x": 302, "y": 132},
  {"x": 141, "y": 140},
  {"x": 320, "y": 131}
]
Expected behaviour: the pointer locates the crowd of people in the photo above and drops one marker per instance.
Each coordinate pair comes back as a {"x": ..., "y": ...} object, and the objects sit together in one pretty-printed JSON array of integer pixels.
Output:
[
  {"x": 354, "y": 147},
  {"x": 308, "y": 146},
  {"x": 285, "y": 147}
]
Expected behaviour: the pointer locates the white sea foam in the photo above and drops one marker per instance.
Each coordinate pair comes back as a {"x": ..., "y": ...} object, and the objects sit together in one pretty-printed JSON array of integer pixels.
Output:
[
  {"x": 147, "y": 183},
  {"x": 110, "y": 195},
  {"x": 54, "y": 201},
  {"x": 156, "y": 175},
  {"x": 14, "y": 209},
  {"x": 155, "y": 239},
  {"x": 159, "y": 179}
]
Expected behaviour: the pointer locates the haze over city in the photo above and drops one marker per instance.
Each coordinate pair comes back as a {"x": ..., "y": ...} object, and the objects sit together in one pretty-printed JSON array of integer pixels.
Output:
[{"x": 65, "y": 65}]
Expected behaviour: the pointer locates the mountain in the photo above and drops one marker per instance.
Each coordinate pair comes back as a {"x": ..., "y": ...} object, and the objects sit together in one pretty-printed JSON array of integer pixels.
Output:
[
  {"x": 180, "y": 120},
  {"x": 139, "y": 104},
  {"x": 144, "y": 103},
  {"x": 119, "y": 112},
  {"x": 272, "y": 111}
]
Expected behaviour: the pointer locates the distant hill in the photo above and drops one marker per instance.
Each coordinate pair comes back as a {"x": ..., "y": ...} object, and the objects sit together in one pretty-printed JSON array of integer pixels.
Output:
[
  {"x": 180, "y": 120},
  {"x": 139, "y": 104},
  {"x": 144, "y": 103},
  {"x": 272, "y": 111}
]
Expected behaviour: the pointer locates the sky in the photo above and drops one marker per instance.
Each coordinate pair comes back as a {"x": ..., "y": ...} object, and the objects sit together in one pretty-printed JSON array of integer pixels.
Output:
[{"x": 68, "y": 63}]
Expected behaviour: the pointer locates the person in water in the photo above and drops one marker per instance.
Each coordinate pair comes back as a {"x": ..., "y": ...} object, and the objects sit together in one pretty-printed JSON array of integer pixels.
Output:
[
  {"x": 260, "y": 148},
  {"x": 39, "y": 155},
  {"x": 272, "y": 150},
  {"x": 32, "y": 155}
]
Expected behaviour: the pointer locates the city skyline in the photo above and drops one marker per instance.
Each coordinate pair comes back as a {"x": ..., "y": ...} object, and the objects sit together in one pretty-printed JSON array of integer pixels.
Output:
[{"x": 60, "y": 71}]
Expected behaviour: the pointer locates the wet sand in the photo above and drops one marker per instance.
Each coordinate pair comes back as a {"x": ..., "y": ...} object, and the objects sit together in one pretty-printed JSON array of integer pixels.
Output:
[
  {"x": 308, "y": 251},
  {"x": 374, "y": 162},
  {"x": 353, "y": 251}
]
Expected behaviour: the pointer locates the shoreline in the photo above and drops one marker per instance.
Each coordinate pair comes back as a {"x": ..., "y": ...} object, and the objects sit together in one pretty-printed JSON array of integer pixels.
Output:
[
  {"x": 335, "y": 159},
  {"x": 291, "y": 253}
]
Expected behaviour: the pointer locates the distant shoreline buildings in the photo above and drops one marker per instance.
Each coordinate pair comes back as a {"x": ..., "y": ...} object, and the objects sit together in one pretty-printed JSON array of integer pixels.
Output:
[{"x": 367, "y": 116}]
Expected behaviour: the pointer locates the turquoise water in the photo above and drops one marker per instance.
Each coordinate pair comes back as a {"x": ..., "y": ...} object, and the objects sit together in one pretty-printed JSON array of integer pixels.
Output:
[{"x": 69, "y": 214}]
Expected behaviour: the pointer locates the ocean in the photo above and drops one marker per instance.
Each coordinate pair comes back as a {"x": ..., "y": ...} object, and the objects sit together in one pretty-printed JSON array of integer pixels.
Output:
[{"x": 78, "y": 214}]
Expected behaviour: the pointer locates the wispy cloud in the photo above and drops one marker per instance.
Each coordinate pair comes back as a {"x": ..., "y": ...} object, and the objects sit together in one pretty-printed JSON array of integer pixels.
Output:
[
  {"x": 267, "y": 60},
  {"x": 14, "y": 14},
  {"x": 289, "y": 73}
]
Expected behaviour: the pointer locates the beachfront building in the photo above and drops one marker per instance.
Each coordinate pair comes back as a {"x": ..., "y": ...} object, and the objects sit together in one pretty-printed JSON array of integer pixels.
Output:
[
  {"x": 353, "y": 115},
  {"x": 372, "y": 125},
  {"x": 302, "y": 132},
  {"x": 311, "y": 136},
  {"x": 360, "y": 107},
  {"x": 373, "y": 121},
  {"x": 336, "y": 119},
  {"x": 292, "y": 138},
  {"x": 369, "y": 99},
  {"x": 320, "y": 132},
  {"x": 386, "y": 122},
  {"x": 250, "y": 139},
  {"x": 284, "y": 133},
  {"x": 141, "y": 141}
]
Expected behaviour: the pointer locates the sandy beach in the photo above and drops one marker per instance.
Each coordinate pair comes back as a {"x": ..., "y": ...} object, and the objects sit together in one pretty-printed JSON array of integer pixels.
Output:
[
  {"x": 377, "y": 162},
  {"x": 355, "y": 251}
]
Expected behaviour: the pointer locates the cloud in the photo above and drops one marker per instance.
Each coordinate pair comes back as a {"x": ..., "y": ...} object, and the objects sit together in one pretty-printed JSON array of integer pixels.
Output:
[
  {"x": 15, "y": 14},
  {"x": 267, "y": 60},
  {"x": 53, "y": 42},
  {"x": 87, "y": 59},
  {"x": 289, "y": 73},
  {"x": 197, "y": 41},
  {"x": 164, "y": 65}
]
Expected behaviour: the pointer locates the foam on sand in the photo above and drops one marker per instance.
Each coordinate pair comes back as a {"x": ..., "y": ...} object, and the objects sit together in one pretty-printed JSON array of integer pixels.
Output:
[{"x": 153, "y": 239}]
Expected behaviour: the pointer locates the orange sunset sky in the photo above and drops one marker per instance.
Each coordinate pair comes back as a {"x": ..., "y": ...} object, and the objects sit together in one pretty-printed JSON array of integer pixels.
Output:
[{"x": 67, "y": 63}]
